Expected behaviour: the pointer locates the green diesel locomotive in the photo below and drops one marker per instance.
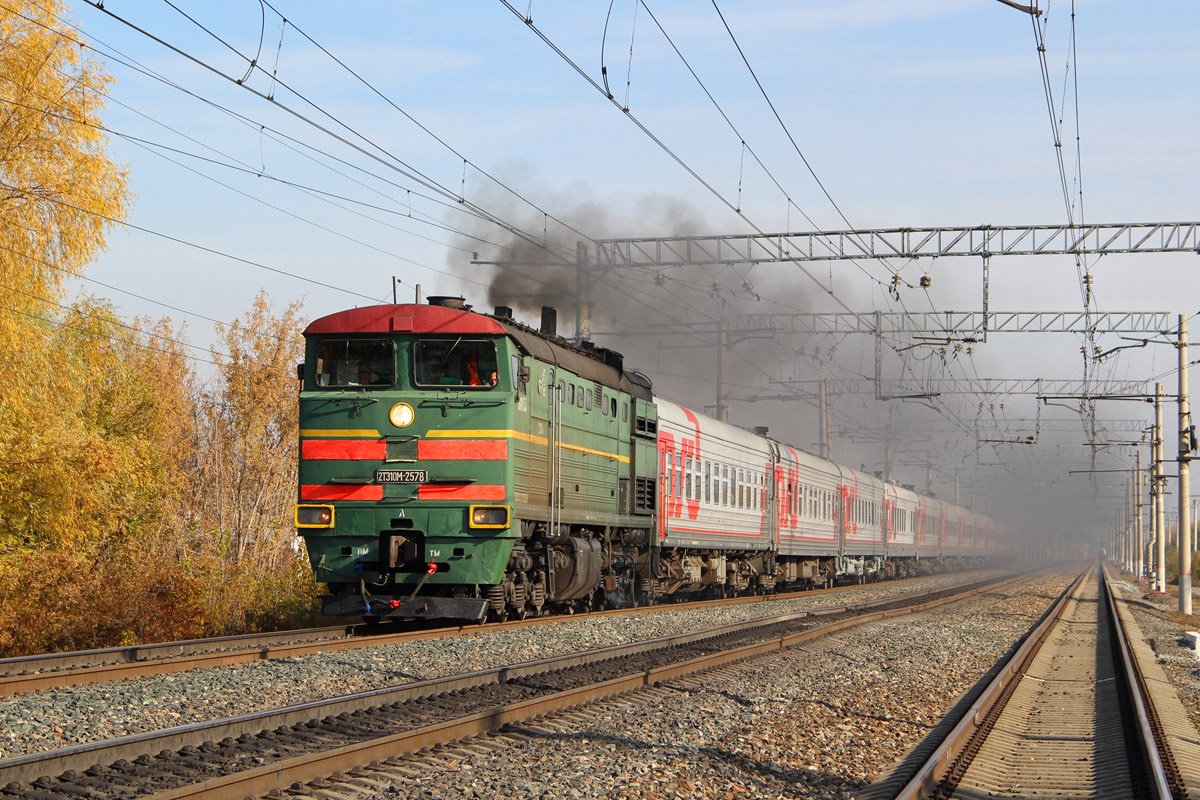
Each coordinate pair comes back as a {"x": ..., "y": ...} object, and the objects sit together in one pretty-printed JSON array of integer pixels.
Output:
[{"x": 454, "y": 463}]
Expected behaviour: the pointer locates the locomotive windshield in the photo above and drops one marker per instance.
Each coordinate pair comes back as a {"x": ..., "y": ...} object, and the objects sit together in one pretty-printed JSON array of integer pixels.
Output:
[
  {"x": 356, "y": 362},
  {"x": 455, "y": 362}
]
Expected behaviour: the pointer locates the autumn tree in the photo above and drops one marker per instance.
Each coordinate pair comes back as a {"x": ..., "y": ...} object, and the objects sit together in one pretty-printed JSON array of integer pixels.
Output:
[
  {"x": 136, "y": 504},
  {"x": 251, "y": 426},
  {"x": 91, "y": 483},
  {"x": 59, "y": 192},
  {"x": 89, "y": 401},
  {"x": 245, "y": 482},
  {"x": 59, "y": 187}
]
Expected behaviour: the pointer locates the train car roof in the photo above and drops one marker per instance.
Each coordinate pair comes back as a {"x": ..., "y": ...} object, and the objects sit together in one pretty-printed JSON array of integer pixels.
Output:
[
  {"x": 405, "y": 319},
  {"x": 597, "y": 364},
  {"x": 708, "y": 428}
]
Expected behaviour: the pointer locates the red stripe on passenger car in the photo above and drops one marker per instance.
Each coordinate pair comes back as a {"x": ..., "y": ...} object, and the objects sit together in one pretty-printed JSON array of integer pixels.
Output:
[
  {"x": 468, "y": 492},
  {"x": 462, "y": 450},
  {"x": 341, "y": 492},
  {"x": 675, "y": 529},
  {"x": 342, "y": 450}
]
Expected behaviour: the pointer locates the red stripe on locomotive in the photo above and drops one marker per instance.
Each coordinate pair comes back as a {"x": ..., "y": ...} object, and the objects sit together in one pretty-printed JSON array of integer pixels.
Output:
[
  {"x": 341, "y": 492},
  {"x": 468, "y": 492},
  {"x": 343, "y": 450},
  {"x": 463, "y": 450}
]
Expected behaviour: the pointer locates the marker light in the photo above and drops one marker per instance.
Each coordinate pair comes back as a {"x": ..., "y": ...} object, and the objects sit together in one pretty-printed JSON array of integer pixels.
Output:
[{"x": 402, "y": 415}]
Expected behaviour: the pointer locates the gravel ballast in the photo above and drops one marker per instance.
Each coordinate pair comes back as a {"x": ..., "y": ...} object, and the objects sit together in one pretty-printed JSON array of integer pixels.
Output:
[
  {"x": 821, "y": 721},
  {"x": 56, "y": 718}
]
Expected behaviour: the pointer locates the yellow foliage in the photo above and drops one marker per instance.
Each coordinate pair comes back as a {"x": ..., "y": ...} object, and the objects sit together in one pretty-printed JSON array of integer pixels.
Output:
[
  {"x": 91, "y": 435},
  {"x": 248, "y": 451},
  {"x": 59, "y": 189},
  {"x": 134, "y": 506}
]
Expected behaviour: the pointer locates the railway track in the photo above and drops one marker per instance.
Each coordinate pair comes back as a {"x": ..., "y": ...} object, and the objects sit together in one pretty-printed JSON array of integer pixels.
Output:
[
  {"x": 56, "y": 670},
  {"x": 1080, "y": 710},
  {"x": 267, "y": 751},
  {"x": 51, "y": 670}
]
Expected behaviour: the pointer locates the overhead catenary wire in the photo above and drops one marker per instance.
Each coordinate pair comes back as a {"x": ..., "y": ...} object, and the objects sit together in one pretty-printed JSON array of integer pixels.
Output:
[
  {"x": 1082, "y": 269},
  {"x": 131, "y": 342},
  {"x": 501, "y": 265},
  {"x": 783, "y": 124},
  {"x": 676, "y": 157},
  {"x": 142, "y": 297},
  {"x": 280, "y": 137},
  {"x": 369, "y": 149},
  {"x": 440, "y": 140},
  {"x": 194, "y": 245},
  {"x": 746, "y": 147},
  {"x": 732, "y": 206},
  {"x": 325, "y": 285},
  {"x": 156, "y": 147}
]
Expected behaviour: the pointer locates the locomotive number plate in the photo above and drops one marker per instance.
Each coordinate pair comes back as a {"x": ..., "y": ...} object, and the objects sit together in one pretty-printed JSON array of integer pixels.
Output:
[{"x": 402, "y": 476}]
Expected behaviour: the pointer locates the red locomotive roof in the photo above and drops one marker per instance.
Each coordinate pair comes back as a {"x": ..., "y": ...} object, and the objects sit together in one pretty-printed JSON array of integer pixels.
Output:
[{"x": 407, "y": 318}]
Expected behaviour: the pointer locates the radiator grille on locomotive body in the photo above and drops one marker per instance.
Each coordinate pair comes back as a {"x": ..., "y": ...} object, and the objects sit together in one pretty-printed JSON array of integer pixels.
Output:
[{"x": 644, "y": 494}]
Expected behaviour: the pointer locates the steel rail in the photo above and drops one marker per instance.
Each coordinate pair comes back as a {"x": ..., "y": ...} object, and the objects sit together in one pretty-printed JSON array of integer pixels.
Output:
[
  {"x": 929, "y": 775},
  {"x": 28, "y": 673},
  {"x": 140, "y": 652},
  {"x": 976, "y": 722},
  {"x": 283, "y": 773},
  {"x": 54, "y": 670},
  {"x": 1157, "y": 753}
]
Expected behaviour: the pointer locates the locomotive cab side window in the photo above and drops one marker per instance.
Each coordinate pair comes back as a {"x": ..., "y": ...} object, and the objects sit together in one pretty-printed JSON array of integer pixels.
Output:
[
  {"x": 455, "y": 362},
  {"x": 367, "y": 363}
]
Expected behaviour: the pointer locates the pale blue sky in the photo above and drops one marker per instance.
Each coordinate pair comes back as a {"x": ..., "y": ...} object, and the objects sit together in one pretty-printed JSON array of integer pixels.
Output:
[{"x": 919, "y": 113}]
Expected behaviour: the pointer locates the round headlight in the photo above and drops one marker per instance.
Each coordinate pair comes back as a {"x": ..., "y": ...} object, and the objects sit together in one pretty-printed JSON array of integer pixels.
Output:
[{"x": 402, "y": 415}]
